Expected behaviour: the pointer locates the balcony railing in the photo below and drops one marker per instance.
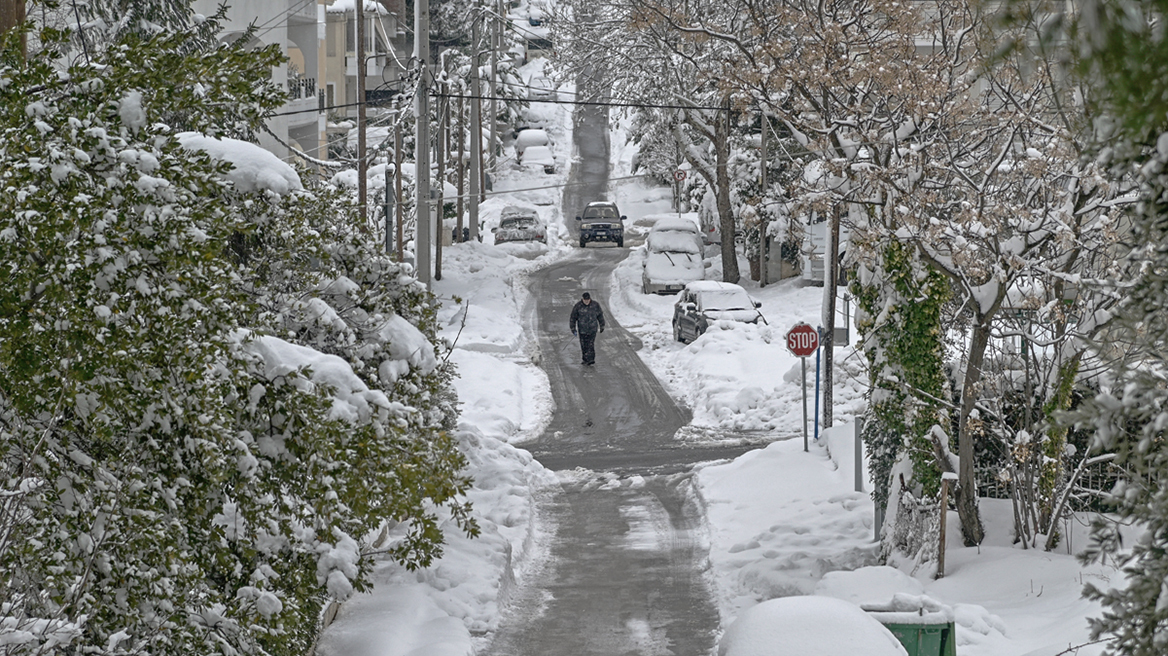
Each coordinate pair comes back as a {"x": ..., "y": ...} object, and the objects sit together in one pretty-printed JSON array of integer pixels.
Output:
[{"x": 301, "y": 87}]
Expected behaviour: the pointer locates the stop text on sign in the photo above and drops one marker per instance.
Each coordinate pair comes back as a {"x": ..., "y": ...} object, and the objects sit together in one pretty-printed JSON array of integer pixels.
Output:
[{"x": 802, "y": 340}]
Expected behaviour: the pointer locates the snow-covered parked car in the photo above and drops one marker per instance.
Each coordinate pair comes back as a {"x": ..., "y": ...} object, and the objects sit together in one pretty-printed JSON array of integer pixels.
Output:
[
  {"x": 519, "y": 224},
  {"x": 705, "y": 301},
  {"x": 676, "y": 224},
  {"x": 527, "y": 137},
  {"x": 538, "y": 156},
  {"x": 540, "y": 88},
  {"x": 673, "y": 259}
]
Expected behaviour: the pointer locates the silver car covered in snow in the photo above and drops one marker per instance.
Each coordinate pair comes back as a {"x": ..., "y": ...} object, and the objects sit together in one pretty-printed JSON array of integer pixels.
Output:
[
  {"x": 703, "y": 302},
  {"x": 520, "y": 224}
]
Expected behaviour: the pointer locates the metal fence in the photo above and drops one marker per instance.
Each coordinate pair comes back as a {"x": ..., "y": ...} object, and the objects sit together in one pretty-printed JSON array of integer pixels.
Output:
[
  {"x": 1089, "y": 493},
  {"x": 301, "y": 87}
]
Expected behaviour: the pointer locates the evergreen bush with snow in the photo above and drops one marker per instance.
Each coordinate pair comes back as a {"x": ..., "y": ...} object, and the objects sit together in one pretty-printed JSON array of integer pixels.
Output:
[
  {"x": 1127, "y": 61},
  {"x": 212, "y": 388}
]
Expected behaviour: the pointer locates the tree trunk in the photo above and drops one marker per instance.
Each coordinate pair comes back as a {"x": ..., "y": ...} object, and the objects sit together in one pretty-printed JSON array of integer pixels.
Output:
[
  {"x": 722, "y": 195},
  {"x": 971, "y": 527},
  {"x": 11, "y": 15}
]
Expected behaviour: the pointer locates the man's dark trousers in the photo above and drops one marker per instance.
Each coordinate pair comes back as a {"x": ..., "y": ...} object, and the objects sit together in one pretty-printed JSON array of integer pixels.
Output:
[{"x": 588, "y": 347}]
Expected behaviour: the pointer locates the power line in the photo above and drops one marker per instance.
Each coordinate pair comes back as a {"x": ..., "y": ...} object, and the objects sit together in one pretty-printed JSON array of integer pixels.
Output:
[
  {"x": 502, "y": 192},
  {"x": 593, "y": 103}
]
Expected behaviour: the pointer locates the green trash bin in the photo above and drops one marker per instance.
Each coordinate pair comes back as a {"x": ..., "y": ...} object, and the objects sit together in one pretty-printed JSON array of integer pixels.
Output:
[
  {"x": 924, "y": 639},
  {"x": 923, "y": 626}
]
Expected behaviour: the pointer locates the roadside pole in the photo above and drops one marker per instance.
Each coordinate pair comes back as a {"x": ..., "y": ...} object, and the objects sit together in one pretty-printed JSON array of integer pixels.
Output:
[
  {"x": 803, "y": 366},
  {"x": 764, "y": 251},
  {"x": 817, "y": 395},
  {"x": 460, "y": 130},
  {"x": 399, "y": 213},
  {"x": 830, "y": 283},
  {"x": 859, "y": 453},
  {"x": 496, "y": 40},
  {"x": 389, "y": 202},
  {"x": 802, "y": 341},
  {"x": 476, "y": 132},
  {"x": 362, "y": 164},
  {"x": 422, "y": 205}
]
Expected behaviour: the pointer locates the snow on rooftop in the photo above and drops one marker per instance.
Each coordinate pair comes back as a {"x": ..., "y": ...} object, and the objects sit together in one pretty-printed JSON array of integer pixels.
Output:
[{"x": 255, "y": 169}]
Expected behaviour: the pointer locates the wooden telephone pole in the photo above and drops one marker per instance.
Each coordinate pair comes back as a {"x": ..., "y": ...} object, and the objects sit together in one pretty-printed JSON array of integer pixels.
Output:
[
  {"x": 362, "y": 164},
  {"x": 423, "y": 204},
  {"x": 831, "y": 278},
  {"x": 460, "y": 130},
  {"x": 476, "y": 131}
]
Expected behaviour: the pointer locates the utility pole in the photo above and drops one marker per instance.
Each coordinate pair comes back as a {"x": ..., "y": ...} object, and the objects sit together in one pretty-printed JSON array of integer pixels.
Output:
[
  {"x": 764, "y": 250},
  {"x": 496, "y": 41},
  {"x": 831, "y": 275},
  {"x": 389, "y": 203},
  {"x": 422, "y": 148},
  {"x": 397, "y": 183},
  {"x": 460, "y": 129},
  {"x": 476, "y": 130},
  {"x": 362, "y": 165},
  {"x": 442, "y": 147},
  {"x": 12, "y": 14}
]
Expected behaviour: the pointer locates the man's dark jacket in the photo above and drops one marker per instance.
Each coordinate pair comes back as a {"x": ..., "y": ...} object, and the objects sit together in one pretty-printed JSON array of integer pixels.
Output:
[{"x": 586, "y": 318}]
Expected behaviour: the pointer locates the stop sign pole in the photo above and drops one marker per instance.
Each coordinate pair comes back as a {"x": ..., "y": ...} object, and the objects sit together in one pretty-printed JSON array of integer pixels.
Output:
[{"x": 802, "y": 341}]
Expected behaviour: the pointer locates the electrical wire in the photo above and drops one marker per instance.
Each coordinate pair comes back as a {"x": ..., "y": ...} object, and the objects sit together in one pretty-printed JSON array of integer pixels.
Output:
[
  {"x": 592, "y": 103},
  {"x": 447, "y": 199}
]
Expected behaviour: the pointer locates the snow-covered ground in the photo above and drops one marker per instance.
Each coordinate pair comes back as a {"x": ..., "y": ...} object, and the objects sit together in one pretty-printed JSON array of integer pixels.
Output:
[{"x": 781, "y": 521}]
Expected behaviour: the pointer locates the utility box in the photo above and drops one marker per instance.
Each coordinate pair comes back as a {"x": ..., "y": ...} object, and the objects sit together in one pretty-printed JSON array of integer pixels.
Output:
[{"x": 923, "y": 626}]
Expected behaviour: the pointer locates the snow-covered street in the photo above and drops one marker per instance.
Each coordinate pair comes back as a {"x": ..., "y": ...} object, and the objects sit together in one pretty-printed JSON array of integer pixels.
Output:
[
  {"x": 776, "y": 521},
  {"x": 579, "y": 328}
]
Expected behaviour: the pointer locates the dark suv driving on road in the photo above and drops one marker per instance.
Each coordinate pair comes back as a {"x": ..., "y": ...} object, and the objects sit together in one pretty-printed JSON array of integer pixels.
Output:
[{"x": 601, "y": 221}]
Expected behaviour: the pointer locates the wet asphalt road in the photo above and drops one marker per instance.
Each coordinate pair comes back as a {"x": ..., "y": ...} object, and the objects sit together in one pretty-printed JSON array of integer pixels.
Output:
[{"x": 626, "y": 559}]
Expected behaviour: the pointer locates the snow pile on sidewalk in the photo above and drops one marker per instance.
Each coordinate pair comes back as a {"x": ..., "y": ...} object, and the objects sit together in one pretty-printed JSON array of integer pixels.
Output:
[{"x": 780, "y": 518}]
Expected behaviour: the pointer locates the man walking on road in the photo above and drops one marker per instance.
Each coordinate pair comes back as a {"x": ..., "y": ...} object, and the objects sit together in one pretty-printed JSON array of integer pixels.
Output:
[{"x": 587, "y": 319}]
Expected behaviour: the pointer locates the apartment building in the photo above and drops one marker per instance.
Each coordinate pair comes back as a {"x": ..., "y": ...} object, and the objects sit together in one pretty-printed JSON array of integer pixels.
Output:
[{"x": 319, "y": 39}]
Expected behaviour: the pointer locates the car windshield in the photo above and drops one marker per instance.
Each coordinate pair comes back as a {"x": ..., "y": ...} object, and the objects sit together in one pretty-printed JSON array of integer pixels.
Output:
[
  {"x": 724, "y": 300},
  {"x": 602, "y": 212},
  {"x": 519, "y": 223}
]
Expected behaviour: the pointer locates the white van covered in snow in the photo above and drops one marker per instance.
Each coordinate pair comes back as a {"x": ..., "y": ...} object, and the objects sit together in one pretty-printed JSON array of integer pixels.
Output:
[{"x": 673, "y": 257}]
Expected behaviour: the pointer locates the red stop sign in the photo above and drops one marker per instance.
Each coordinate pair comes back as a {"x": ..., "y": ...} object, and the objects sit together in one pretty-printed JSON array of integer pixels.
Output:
[{"x": 802, "y": 340}]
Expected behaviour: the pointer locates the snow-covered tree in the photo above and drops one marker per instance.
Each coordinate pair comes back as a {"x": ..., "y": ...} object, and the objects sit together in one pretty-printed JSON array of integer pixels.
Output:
[
  {"x": 633, "y": 52},
  {"x": 212, "y": 389},
  {"x": 914, "y": 127},
  {"x": 1126, "y": 60}
]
